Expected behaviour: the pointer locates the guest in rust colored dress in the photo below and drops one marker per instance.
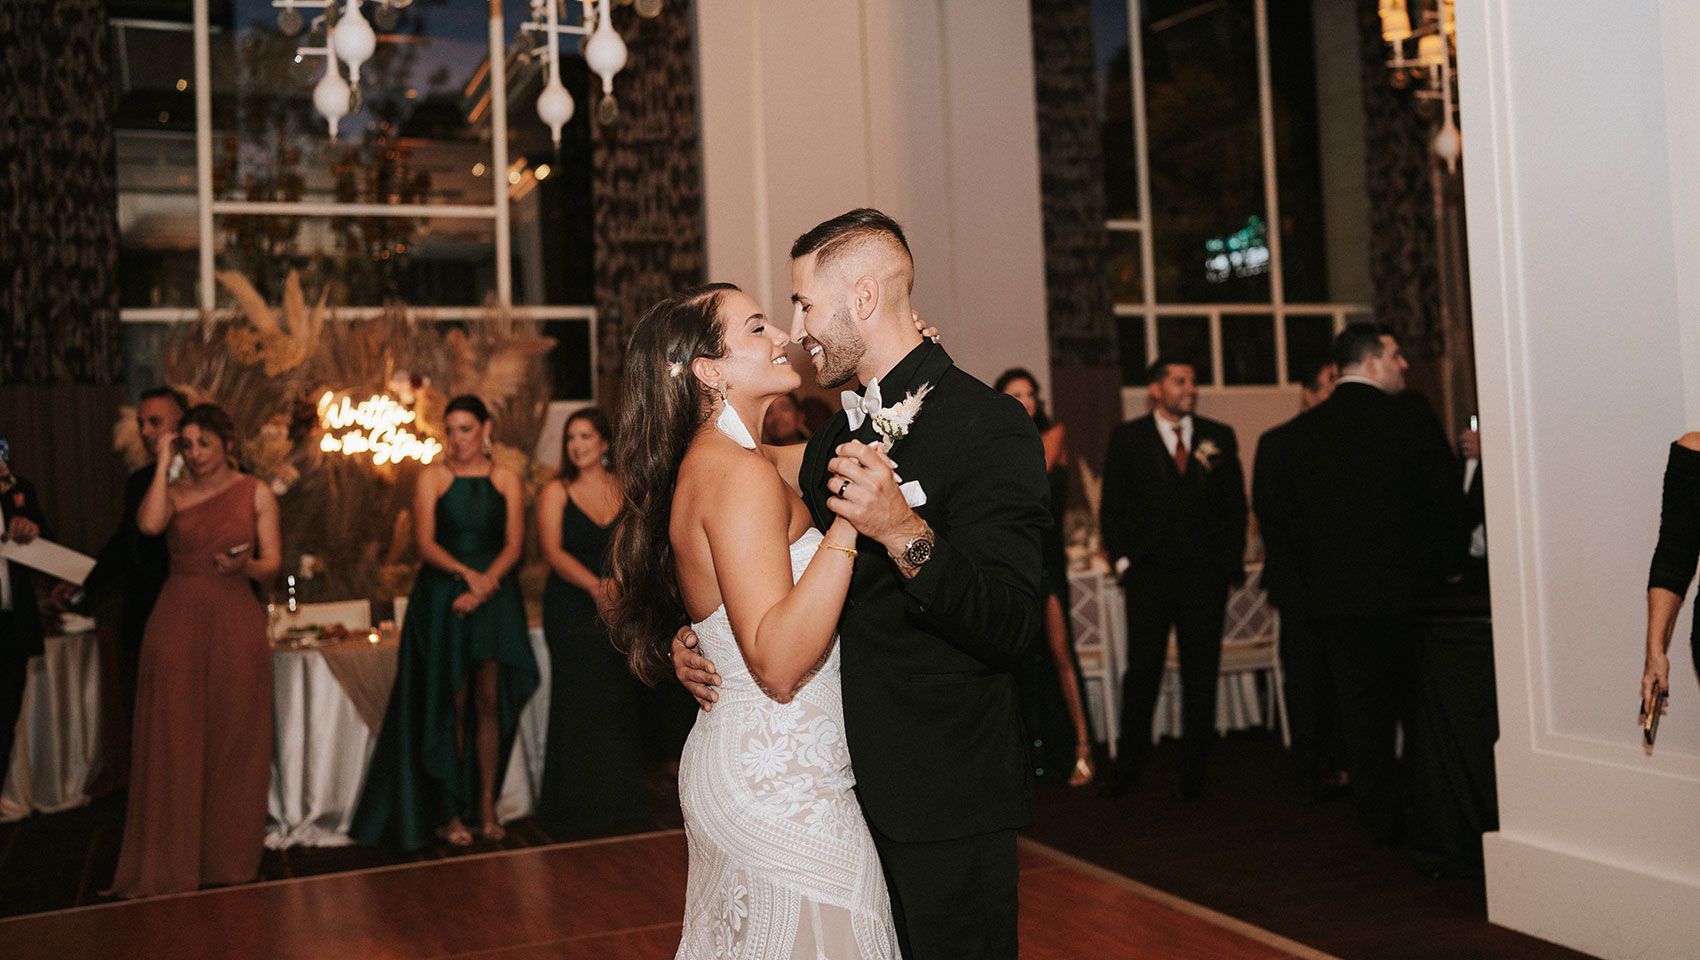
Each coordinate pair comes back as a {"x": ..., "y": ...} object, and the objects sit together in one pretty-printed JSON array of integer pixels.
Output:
[{"x": 203, "y": 729}]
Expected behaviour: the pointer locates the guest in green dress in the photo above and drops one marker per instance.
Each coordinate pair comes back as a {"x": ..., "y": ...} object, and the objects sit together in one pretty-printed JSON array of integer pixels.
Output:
[
  {"x": 593, "y": 768},
  {"x": 465, "y": 669}
]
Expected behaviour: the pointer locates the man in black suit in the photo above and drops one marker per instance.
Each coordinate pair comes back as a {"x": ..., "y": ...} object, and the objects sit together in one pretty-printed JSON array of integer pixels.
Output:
[
  {"x": 132, "y": 561},
  {"x": 1174, "y": 525},
  {"x": 1371, "y": 516},
  {"x": 1304, "y": 662},
  {"x": 21, "y": 632},
  {"x": 945, "y": 595}
]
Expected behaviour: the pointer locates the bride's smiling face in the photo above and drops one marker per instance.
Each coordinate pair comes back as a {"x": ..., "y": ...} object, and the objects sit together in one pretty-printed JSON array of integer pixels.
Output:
[{"x": 755, "y": 364}]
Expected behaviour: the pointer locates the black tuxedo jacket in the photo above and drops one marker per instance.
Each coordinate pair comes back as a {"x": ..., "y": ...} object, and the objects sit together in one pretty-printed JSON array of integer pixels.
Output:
[
  {"x": 1182, "y": 532},
  {"x": 929, "y": 701},
  {"x": 1280, "y": 580},
  {"x": 1365, "y": 491},
  {"x": 132, "y": 560}
]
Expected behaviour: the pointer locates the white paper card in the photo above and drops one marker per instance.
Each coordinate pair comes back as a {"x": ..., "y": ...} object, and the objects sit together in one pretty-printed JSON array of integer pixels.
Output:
[
  {"x": 913, "y": 494},
  {"x": 50, "y": 558}
]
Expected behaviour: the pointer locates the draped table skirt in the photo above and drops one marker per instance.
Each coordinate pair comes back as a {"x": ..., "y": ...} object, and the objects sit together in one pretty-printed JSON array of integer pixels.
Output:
[
  {"x": 56, "y": 751},
  {"x": 323, "y": 744}
]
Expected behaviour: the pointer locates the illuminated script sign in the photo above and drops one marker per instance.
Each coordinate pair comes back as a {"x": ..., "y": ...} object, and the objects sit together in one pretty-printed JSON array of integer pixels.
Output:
[{"x": 376, "y": 427}]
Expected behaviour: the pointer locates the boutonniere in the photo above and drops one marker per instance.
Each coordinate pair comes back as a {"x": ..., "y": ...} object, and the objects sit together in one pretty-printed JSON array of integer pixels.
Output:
[
  {"x": 891, "y": 423},
  {"x": 1206, "y": 453}
]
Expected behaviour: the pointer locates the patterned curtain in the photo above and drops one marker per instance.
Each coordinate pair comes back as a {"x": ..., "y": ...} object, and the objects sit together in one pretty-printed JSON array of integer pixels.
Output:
[
  {"x": 58, "y": 191},
  {"x": 1404, "y": 267},
  {"x": 647, "y": 182},
  {"x": 1085, "y": 369}
]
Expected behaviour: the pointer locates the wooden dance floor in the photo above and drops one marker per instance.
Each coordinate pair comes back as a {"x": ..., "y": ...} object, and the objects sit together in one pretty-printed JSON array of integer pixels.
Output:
[{"x": 598, "y": 900}]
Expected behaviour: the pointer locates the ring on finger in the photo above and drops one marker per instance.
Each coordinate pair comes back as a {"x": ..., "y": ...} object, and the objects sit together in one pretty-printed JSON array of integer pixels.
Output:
[{"x": 844, "y": 486}]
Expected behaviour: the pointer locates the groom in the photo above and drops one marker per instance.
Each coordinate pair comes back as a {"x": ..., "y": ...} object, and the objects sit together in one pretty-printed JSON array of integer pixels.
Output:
[{"x": 944, "y": 598}]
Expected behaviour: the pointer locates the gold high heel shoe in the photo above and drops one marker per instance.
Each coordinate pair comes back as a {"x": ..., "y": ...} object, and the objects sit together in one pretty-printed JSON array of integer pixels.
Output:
[{"x": 1082, "y": 774}]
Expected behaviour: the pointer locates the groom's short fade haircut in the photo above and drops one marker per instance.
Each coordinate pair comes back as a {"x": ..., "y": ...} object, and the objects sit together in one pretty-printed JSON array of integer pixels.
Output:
[{"x": 850, "y": 233}]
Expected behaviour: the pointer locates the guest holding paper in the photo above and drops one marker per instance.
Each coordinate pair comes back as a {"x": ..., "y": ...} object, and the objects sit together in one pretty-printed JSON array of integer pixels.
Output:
[
  {"x": 593, "y": 772},
  {"x": 465, "y": 670},
  {"x": 20, "y": 619},
  {"x": 201, "y": 754}
]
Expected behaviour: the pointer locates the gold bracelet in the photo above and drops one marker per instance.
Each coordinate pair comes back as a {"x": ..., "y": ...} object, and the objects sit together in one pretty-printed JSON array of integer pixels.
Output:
[{"x": 833, "y": 546}]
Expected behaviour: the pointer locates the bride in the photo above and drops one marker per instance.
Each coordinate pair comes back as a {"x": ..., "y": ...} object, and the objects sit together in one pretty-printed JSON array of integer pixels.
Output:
[{"x": 781, "y": 862}]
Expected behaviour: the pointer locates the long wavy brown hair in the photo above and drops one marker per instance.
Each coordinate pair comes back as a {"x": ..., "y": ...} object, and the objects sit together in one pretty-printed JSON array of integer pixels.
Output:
[{"x": 663, "y": 406}]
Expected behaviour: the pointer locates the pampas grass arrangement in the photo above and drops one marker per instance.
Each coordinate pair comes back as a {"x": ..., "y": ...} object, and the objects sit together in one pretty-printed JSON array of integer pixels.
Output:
[{"x": 267, "y": 368}]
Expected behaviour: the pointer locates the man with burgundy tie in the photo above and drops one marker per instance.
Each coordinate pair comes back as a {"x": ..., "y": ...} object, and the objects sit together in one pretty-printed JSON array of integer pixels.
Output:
[{"x": 1174, "y": 525}]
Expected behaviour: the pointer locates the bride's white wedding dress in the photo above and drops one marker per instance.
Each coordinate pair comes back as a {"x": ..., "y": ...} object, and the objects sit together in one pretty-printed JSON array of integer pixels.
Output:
[{"x": 782, "y": 866}]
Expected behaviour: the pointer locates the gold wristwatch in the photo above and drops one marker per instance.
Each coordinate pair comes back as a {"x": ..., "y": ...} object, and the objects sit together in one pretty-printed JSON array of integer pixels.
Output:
[{"x": 916, "y": 552}]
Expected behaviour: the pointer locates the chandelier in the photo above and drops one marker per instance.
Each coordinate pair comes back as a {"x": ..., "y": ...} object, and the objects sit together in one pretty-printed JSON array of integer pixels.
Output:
[
  {"x": 1433, "y": 69},
  {"x": 350, "y": 39}
]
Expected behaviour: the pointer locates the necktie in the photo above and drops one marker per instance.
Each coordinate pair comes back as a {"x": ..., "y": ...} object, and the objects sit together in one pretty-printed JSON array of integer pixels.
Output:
[{"x": 1180, "y": 450}]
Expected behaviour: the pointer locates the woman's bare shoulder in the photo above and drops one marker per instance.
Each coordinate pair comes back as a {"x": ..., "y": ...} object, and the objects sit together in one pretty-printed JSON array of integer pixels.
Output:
[{"x": 1690, "y": 440}]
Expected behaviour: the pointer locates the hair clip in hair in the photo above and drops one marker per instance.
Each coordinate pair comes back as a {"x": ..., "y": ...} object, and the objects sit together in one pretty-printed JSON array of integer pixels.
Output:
[{"x": 675, "y": 368}]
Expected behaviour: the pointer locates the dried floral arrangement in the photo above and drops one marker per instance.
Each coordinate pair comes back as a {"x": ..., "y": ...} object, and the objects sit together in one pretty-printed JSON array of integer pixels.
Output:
[{"x": 347, "y": 522}]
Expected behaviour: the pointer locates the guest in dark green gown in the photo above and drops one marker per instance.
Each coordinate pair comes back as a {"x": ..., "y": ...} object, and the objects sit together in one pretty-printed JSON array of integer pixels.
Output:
[
  {"x": 593, "y": 769},
  {"x": 465, "y": 669}
]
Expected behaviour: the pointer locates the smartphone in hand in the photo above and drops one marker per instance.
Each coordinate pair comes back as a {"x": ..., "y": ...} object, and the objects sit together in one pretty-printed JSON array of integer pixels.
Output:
[{"x": 1650, "y": 721}]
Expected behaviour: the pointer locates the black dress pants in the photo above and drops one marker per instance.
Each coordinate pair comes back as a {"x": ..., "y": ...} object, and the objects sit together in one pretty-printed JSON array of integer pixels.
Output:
[
  {"x": 1373, "y": 661},
  {"x": 953, "y": 898},
  {"x": 1196, "y": 616},
  {"x": 1309, "y": 688}
]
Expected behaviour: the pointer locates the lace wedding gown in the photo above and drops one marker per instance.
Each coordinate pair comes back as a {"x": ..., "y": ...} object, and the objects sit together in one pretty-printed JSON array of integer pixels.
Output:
[{"x": 782, "y": 866}]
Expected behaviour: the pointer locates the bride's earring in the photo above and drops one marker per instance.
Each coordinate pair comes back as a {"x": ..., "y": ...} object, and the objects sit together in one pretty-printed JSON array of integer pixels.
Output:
[{"x": 730, "y": 423}]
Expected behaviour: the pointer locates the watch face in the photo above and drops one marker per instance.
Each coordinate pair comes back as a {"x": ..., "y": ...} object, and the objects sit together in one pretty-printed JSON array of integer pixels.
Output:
[{"x": 919, "y": 551}]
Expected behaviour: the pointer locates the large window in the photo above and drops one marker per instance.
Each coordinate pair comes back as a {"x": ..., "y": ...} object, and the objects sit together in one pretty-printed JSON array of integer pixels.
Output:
[
  {"x": 228, "y": 166},
  {"x": 1234, "y": 196}
]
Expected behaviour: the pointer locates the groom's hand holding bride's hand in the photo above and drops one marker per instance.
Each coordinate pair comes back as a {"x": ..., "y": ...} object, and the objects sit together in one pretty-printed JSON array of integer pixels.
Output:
[
  {"x": 695, "y": 671},
  {"x": 866, "y": 491}
]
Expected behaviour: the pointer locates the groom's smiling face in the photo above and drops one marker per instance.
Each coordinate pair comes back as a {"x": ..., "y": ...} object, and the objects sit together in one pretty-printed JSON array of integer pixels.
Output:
[{"x": 822, "y": 322}]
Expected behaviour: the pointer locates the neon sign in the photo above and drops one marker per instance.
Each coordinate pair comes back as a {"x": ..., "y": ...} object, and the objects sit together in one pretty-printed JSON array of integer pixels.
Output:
[{"x": 376, "y": 426}]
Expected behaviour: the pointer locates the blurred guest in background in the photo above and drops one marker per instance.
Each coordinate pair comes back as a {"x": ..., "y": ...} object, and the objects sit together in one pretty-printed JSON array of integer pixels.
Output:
[
  {"x": 783, "y": 424},
  {"x": 1174, "y": 523},
  {"x": 1475, "y": 563},
  {"x": 21, "y": 632},
  {"x": 815, "y": 412},
  {"x": 132, "y": 562},
  {"x": 202, "y": 748},
  {"x": 1370, "y": 512},
  {"x": 465, "y": 670},
  {"x": 1050, "y": 680},
  {"x": 1673, "y": 565},
  {"x": 1304, "y": 663},
  {"x": 593, "y": 771}
]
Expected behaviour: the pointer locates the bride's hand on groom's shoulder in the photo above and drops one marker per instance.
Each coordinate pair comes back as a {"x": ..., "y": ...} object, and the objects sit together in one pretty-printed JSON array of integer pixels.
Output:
[{"x": 695, "y": 671}]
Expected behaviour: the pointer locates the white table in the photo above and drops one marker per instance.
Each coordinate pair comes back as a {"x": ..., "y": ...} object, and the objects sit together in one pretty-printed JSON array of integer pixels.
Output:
[
  {"x": 322, "y": 747},
  {"x": 56, "y": 750}
]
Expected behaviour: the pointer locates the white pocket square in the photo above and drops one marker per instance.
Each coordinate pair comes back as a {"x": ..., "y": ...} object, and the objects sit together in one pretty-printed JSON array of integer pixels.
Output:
[{"x": 913, "y": 494}]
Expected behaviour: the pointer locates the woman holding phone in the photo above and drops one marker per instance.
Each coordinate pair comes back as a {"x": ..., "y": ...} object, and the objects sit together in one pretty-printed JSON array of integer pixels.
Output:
[
  {"x": 201, "y": 755},
  {"x": 1672, "y": 570}
]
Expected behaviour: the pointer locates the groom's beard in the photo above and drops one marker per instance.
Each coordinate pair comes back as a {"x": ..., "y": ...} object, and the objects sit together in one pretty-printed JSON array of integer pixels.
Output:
[{"x": 842, "y": 349}]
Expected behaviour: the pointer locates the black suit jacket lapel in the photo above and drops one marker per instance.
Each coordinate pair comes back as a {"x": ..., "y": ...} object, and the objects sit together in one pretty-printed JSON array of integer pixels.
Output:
[{"x": 812, "y": 476}]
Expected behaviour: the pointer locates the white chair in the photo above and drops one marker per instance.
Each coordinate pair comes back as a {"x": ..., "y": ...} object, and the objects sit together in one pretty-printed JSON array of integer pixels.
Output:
[
  {"x": 1093, "y": 603},
  {"x": 1250, "y": 645}
]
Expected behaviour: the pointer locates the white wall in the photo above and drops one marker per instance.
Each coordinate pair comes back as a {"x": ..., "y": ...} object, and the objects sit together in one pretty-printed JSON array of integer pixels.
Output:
[
  {"x": 1581, "y": 144},
  {"x": 922, "y": 109}
]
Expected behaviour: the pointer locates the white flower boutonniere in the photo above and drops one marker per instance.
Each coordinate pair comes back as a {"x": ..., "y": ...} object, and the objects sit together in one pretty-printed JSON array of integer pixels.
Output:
[
  {"x": 1206, "y": 453},
  {"x": 892, "y": 423}
]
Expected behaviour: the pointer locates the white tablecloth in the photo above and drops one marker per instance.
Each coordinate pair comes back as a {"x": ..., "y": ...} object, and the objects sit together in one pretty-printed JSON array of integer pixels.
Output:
[
  {"x": 322, "y": 747},
  {"x": 56, "y": 752}
]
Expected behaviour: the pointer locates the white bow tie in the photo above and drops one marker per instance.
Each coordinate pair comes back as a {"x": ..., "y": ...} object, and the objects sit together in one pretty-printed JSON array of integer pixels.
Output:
[{"x": 857, "y": 408}]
